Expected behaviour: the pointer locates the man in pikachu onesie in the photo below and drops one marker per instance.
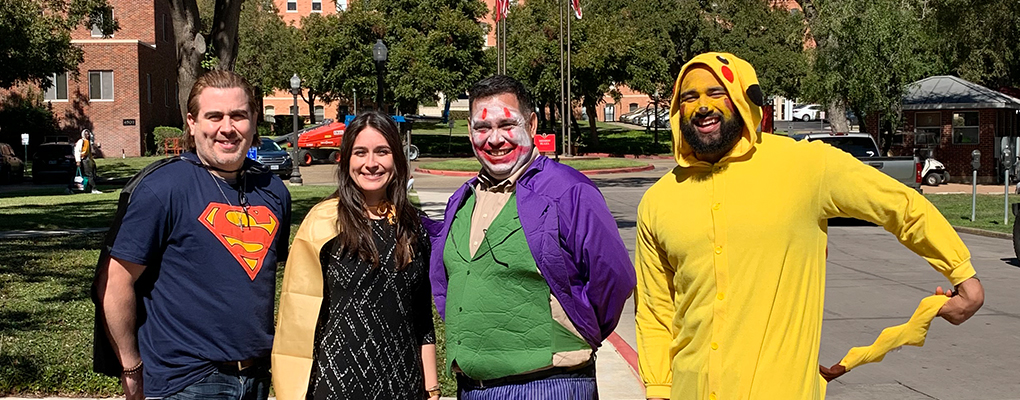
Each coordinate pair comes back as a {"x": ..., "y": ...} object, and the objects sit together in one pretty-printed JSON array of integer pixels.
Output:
[{"x": 730, "y": 250}]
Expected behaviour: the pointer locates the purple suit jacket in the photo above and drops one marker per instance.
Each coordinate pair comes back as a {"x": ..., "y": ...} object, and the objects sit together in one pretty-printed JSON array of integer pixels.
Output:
[{"x": 574, "y": 240}]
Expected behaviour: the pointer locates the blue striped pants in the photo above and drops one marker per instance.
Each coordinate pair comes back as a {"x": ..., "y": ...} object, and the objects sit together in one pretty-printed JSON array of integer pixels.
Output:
[{"x": 565, "y": 386}]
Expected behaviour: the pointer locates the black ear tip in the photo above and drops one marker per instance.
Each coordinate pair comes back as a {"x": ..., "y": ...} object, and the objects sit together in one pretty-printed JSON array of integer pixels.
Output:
[{"x": 754, "y": 94}]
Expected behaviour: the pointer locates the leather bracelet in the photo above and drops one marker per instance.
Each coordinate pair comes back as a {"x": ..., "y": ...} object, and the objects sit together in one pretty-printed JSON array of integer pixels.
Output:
[
  {"x": 133, "y": 370},
  {"x": 433, "y": 391}
]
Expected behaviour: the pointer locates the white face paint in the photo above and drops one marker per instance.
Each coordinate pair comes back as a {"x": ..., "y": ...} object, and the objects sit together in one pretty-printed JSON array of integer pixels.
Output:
[{"x": 502, "y": 138}]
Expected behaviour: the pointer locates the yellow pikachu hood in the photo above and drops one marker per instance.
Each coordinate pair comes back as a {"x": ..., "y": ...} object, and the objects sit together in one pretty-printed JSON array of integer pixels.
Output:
[{"x": 741, "y": 82}]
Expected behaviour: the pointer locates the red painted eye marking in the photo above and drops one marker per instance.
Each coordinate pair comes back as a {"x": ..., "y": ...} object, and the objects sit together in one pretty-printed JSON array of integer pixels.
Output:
[
  {"x": 485, "y": 111},
  {"x": 727, "y": 73},
  {"x": 506, "y": 112}
]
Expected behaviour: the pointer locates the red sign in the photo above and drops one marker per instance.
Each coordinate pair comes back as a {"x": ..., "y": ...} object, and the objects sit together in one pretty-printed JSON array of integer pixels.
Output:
[{"x": 546, "y": 143}]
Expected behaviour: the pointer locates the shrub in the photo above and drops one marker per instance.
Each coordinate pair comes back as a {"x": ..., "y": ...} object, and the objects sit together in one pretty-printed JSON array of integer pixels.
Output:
[
  {"x": 161, "y": 133},
  {"x": 460, "y": 114}
]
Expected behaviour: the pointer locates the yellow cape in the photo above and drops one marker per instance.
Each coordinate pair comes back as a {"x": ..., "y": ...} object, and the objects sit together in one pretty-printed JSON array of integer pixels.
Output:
[{"x": 300, "y": 299}]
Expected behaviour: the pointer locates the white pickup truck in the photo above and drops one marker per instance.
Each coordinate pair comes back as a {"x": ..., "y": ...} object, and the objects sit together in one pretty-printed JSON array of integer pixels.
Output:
[{"x": 907, "y": 170}]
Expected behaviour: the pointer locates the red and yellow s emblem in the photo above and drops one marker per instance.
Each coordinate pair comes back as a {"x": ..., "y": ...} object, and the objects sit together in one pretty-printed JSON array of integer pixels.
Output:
[{"x": 247, "y": 236}]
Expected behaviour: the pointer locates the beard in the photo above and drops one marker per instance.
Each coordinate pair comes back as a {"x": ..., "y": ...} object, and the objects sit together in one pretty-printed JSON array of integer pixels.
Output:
[{"x": 729, "y": 134}]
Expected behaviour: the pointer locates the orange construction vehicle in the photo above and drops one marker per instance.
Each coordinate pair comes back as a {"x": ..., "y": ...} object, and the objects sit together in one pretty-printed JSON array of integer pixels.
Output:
[{"x": 320, "y": 142}]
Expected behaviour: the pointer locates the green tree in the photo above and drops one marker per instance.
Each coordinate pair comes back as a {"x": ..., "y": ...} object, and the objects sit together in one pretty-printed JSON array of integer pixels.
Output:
[
  {"x": 342, "y": 51},
  {"x": 434, "y": 46},
  {"x": 267, "y": 48},
  {"x": 35, "y": 37},
  {"x": 977, "y": 40},
  {"x": 770, "y": 38},
  {"x": 868, "y": 52}
]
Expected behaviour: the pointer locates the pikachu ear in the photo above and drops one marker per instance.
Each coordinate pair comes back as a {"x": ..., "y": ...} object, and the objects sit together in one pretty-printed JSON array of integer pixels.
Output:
[{"x": 754, "y": 94}]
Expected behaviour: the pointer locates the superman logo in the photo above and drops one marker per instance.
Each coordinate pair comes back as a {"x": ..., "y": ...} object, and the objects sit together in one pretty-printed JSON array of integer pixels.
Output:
[{"x": 247, "y": 236}]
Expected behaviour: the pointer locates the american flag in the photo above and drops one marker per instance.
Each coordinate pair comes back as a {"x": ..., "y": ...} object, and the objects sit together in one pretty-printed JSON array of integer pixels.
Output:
[
  {"x": 576, "y": 5},
  {"x": 502, "y": 9}
]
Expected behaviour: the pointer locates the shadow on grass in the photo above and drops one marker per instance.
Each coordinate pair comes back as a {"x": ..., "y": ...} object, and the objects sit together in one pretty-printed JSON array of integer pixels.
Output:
[
  {"x": 603, "y": 182},
  {"x": 46, "y": 317},
  {"x": 72, "y": 215}
]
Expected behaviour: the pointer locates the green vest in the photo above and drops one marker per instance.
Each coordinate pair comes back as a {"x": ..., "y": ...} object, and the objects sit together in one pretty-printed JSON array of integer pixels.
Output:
[{"x": 498, "y": 319}]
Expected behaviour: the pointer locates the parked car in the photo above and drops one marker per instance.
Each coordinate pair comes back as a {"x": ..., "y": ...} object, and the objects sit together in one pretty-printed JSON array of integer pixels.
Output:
[
  {"x": 271, "y": 155},
  {"x": 627, "y": 117},
  {"x": 54, "y": 162},
  {"x": 807, "y": 112},
  {"x": 12, "y": 168}
]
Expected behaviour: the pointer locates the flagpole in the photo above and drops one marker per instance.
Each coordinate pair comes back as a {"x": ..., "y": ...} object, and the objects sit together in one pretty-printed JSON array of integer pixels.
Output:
[
  {"x": 570, "y": 98},
  {"x": 563, "y": 125}
]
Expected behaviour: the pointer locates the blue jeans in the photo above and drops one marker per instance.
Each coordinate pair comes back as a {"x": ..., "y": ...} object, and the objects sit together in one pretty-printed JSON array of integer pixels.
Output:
[{"x": 226, "y": 383}]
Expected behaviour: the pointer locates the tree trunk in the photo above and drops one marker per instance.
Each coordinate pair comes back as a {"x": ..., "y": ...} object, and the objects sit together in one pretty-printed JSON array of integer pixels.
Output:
[
  {"x": 226, "y": 17},
  {"x": 191, "y": 48},
  {"x": 310, "y": 100},
  {"x": 592, "y": 129},
  {"x": 836, "y": 113}
]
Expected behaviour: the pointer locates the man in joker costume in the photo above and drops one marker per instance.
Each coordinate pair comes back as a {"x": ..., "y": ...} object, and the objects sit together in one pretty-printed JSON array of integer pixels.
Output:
[
  {"x": 529, "y": 270},
  {"x": 731, "y": 251}
]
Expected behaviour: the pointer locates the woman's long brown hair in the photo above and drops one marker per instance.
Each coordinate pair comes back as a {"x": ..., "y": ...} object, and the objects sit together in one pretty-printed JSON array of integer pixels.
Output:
[{"x": 352, "y": 218}]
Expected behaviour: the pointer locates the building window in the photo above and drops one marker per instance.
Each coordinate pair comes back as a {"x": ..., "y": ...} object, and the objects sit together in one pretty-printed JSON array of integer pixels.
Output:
[
  {"x": 148, "y": 87},
  {"x": 291, "y": 5},
  {"x": 317, "y": 6},
  {"x": 294, "y": 110},
  {"x": 58, "y": 87},
  {"x": 341, "y": 5},
  {"x": 271, "y": 114},
  {"x": 928, "y": 128},
  {"x": 965, "y": 127},
  {"x": 166, "y": 36},
  {"x": 101, "y": 17},
  {"x": 100, "y": 85},
  {"x": 320, "y": 113},
  {"x": 610, "y": 113},
  {"x": 633, "y": 107}
]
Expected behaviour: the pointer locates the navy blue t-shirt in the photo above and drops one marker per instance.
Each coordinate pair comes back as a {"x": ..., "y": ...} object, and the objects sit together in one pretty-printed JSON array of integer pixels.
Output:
[{"x": 213, "y": 297}]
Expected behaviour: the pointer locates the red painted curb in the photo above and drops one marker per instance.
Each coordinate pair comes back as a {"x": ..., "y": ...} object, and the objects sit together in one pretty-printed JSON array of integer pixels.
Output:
[
  {"x": 618, "y": 170},
  {"x": 627, "y": 353},
  {"x": 588, "y": 172}
]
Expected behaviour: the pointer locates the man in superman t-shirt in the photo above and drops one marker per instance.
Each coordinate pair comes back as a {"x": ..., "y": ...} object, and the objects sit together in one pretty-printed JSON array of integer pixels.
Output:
[{"x": 210, "y": 228}]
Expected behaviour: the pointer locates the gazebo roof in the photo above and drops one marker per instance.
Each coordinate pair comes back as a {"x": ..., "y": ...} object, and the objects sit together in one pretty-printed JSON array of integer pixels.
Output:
[{"x": 945, "y": 92}]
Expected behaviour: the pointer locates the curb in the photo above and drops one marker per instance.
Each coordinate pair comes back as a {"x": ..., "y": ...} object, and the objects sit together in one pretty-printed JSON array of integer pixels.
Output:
[
  {"x": 648, "y": 167},
  {"x": 629, "y": 156},
  {"x": 627, "y": 353},
  {"x": 983, "y": 232}
]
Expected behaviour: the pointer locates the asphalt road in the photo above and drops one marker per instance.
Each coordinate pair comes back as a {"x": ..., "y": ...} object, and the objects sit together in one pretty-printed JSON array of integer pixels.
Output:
[{"x": 873, "y": 282}]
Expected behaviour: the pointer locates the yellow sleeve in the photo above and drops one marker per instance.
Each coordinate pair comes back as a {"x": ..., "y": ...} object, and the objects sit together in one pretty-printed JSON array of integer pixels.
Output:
[
  {"x": 655, "y": 311},
  {"x": 850, "y": 188}
]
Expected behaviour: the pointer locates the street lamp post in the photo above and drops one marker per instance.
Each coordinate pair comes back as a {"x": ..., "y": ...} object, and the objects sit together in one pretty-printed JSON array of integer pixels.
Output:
[
  {"x": 295, "y": 176},
  {"x": 379, "y": 53}
]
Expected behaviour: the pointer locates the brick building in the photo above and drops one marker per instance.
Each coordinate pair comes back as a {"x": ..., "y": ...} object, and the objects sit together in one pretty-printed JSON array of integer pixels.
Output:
[
  {"x": 127, "y": 83},
  {"x": 953, "y": 117}
]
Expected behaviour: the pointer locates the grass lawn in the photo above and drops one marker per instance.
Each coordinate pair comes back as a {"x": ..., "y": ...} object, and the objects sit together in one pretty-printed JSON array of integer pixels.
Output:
[
  {"x": 114, "y": 168},
  {"x": 471, "y": 164},
  {"x": 957, "y": 209}
]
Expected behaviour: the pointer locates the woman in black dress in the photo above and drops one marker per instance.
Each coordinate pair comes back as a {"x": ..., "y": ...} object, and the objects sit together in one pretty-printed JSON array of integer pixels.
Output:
[{"x": 373, "y": 334}]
